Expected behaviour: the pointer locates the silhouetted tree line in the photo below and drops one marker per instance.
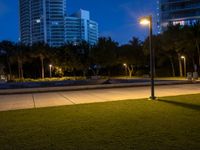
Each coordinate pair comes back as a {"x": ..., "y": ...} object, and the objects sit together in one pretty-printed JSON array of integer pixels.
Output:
[
  {"x": 107, "y": 57},
  {"x": 172, "y": 44}
]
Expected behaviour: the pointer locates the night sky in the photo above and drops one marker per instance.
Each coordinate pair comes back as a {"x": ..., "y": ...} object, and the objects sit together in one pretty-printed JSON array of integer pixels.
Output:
[{"x": 116, "y": 18}]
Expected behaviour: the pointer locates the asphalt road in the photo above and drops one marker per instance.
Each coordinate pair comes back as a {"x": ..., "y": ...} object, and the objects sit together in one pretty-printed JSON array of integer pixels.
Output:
[{"x": 38, "y": 100}]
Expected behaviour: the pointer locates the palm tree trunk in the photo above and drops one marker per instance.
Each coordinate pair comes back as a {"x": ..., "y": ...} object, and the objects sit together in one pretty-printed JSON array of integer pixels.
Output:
[
  {"x": 42, "y": 66},
  {"x": 84, "y": 73},
  {"x": 180, "y": 65},
  {"x": 9, "y": 69},
  {"x": 19, "y": 69},
  {"x": 198, "y": 51},
  {"x": 22, "y": 70},
  {"x": 173, "y": 68}
]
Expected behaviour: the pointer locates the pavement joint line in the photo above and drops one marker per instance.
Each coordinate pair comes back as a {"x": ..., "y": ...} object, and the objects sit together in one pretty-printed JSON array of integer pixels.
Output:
[
  {"x": 66, "y": 98},
  {"x": 34, "y": 101}
]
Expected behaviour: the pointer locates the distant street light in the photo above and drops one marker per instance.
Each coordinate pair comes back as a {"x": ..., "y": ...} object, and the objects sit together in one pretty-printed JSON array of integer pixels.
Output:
[
  {"x": 125, "y": 66},
  {"x": 50, "y": 71},
  {"x": 185, "y": 66},
  {"x": 147, "y": 21}
]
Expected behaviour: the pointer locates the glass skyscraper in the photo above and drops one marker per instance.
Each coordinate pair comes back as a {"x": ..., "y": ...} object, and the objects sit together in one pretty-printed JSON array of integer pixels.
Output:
[
  {"x": 80, "y": 27},
  {"x": 46, "y": 21},
  {"x": 42, "y": 21},
  {"x": 183, "y": 12}
]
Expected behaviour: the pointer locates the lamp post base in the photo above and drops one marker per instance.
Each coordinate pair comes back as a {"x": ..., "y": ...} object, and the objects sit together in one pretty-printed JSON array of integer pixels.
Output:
[{"x": 152, "y": 98}]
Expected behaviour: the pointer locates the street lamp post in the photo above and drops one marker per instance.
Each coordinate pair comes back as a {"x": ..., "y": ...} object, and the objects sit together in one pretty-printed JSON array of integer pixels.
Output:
[
  {"x": 148, "y": 21},
  {"x": 185, "y": 66},
  {"x": 50, "y": 71}
]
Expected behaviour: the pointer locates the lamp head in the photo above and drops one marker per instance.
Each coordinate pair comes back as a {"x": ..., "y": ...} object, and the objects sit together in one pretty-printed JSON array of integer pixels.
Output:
[
  {"x": 125, "y": 65},
  {"x": 182, "y": 57},
  {"x": 145, "y": 20}
]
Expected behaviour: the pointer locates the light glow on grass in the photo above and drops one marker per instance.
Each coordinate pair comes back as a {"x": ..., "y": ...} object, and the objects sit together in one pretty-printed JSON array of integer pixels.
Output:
[{"x": 170, "y": 123}]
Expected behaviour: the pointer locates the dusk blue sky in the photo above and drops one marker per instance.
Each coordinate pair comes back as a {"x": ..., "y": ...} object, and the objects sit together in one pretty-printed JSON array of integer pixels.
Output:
[{"x": 117, "y": 18}]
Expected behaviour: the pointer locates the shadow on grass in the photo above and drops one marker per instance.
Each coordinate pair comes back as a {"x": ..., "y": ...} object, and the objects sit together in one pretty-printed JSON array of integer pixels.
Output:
[{"x": 185, "y": 105}]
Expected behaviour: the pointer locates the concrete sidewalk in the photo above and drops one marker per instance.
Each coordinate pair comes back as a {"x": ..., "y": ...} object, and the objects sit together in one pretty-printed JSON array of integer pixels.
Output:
[
  {"x": 60, "y": 98},
  {"x": 89, "y": 87}
]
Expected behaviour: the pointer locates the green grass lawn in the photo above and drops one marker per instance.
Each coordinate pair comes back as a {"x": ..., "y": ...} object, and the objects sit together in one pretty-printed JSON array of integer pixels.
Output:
[{"x": 172, "y": 123}]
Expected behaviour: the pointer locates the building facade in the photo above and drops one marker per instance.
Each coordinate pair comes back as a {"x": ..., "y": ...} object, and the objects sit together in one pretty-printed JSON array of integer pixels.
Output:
[
  {"x": 183, "y": 12},
  {"x": 46, "y": 21},
  {"x": 42, "y": 21},
  {"x": 79, "y": 27},
  {"x": 25, "y": 23}
]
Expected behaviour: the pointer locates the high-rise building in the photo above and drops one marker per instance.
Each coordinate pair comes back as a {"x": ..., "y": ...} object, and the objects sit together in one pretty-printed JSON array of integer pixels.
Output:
[
  {"x": 42, "y": 21},
  {"x": 25, "y": 23},
  {"x": 183, "y": 12},
  {"x": 46, "y": 21},
  {"x": 79, "y": 27}
]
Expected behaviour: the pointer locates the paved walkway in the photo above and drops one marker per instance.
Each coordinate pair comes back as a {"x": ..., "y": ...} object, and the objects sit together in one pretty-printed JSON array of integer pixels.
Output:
[
  {"x": 37, "y": 100},
  {"x": 90, "y": 87}
]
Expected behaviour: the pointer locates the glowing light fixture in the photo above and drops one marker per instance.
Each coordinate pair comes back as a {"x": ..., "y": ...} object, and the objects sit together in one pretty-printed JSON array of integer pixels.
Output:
[
  {"x": 144, "y": 21},
  {"x": 182, "y": 57}
]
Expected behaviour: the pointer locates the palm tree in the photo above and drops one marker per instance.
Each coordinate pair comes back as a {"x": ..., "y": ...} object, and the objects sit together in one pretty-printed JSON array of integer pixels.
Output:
[
  {"x": 68, "y": 57},
  {"x": 163, "y": 52},
  {"x": 173, "y": 44},
  {"x": 131, "y": 54},
  {"x": 21, "y": 56},
  {"x": 40, "y": 50},
  {"x": 193, "y": 37},
  {"x": 8, "y": 47},
  {"x": 104, "y": 53},
  {"x": 84, "y": 51}
]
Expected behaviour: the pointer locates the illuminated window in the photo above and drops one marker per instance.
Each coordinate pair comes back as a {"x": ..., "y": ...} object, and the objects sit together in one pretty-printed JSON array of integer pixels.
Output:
[
  {"x": 38, "y": 21},
  {"x": 55, "y": 23}
]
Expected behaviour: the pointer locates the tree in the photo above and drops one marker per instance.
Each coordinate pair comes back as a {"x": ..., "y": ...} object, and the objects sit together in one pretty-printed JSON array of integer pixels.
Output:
[
  {"x": 21, "y": 56},
  {"x": 131, "y": 54},
  {"x": 104, "y": 53},
  {"x": 172, "y": 40},
  {"x": 68, "y": 57},
  {"x": 41, "y": 51},
  {"x": 157, "y": 48},
  {"x": 83, "y": 55},
  {"x": 8, "y": 48},
  {"x": 192, "y": 41}
]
